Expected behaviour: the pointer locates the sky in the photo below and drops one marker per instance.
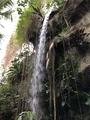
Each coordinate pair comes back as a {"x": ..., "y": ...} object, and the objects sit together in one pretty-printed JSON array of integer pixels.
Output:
[{"x": 7, "y": 31}]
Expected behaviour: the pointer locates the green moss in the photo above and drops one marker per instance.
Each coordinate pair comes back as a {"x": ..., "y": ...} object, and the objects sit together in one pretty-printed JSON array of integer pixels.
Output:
[
  {"x": 24, "y": 22},
  {"x": 8, "y": 101},
  {"x": 36, "y": 3}
]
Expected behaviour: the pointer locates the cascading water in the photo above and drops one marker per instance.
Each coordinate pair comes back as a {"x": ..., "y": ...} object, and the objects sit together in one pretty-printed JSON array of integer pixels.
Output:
[{"x": 37, "y": 106}]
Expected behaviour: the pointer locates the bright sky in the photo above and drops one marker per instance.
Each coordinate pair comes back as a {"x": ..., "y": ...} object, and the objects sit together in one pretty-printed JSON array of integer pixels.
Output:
[{"x": 9, "y": 28}]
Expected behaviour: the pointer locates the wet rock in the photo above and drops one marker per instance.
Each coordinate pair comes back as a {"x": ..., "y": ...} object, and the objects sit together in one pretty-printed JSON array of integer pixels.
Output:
[{"x": 83, "y": 81}]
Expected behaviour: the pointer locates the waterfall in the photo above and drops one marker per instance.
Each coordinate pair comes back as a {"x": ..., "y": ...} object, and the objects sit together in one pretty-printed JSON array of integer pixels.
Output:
[{"x": 37, "y": 81}]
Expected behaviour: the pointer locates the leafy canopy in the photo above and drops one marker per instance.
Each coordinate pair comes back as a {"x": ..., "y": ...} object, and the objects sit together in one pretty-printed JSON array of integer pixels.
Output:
[
  {"x": 27, "y": 16},
  {"x": 5, "y": 10},
  {"x": 24, "y": 22}
]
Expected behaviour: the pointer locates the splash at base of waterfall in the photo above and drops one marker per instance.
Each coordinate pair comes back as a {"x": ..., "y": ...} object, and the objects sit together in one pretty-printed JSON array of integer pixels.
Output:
[{"x": 37, "y": 104}]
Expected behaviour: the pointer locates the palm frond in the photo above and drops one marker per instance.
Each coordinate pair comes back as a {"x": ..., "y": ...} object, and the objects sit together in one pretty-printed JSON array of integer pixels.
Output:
[
  {"x": 5, "y": 3},
  {"x": 1, "y": 36},
  {"x": 6, "y": 14},
  {"x": 5, "y": 11}
]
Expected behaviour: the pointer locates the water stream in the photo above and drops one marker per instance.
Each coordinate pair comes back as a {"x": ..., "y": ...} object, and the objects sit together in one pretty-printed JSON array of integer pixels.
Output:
[{"x": 37, "y": 105}]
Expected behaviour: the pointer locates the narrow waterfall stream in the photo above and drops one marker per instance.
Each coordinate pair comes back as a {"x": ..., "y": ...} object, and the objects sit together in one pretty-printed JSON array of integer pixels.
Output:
[{"x": 39, "y": 73}]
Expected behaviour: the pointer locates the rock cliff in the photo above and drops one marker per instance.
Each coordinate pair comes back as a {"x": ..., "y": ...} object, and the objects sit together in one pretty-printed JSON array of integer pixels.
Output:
[{"x": 68, "y": 58}]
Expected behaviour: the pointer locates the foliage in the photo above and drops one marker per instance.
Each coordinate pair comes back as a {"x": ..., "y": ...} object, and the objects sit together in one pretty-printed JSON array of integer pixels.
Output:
[
  {"x": 71, "y": 103},
  {"x": 63, "y": 31},
  {"x": 27, "y": 17},
  {"x": 23, "y": 4},
  {"x": 48, "y": 3},
  {"x": 1, "y": 36},
  {"x": 5, "y": 10},
  {"x": 11, "y": 97},
  {"x": 24, "y": 21},
  {"x": 8, "y": 101},
  {"x": 59, "y": 2},
  {"x": 36, "y": 3},
  {"x": 77, "y": 40},
  {"x": 14, "y": 73},
  {"x": 27, "y": 115},
  {"x": 5, "y": 4}
]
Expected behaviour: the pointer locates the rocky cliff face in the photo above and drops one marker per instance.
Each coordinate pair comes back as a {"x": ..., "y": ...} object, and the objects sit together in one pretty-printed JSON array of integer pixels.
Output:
[
  {"x": 75, "y": 41},
  {"x": 68, "y": 30},
  {"x": 68, "y": 57}
]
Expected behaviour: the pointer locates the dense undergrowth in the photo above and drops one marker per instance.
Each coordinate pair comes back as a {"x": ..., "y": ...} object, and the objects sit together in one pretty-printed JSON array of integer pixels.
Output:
[{"x": 13, "y": 90}]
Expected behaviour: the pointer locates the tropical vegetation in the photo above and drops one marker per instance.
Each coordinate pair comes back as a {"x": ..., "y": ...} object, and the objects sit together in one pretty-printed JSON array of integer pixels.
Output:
[
  {"x": 64, "y": 99},
  {"x": 5, "y": 10}
]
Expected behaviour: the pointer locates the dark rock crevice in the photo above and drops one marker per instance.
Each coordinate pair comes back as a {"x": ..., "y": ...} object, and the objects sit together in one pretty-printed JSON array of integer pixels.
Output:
[
  {"x": 81, "y": 9},
  {"x": 83, "y": 81},
  {"x": 76, "y": 39}
]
